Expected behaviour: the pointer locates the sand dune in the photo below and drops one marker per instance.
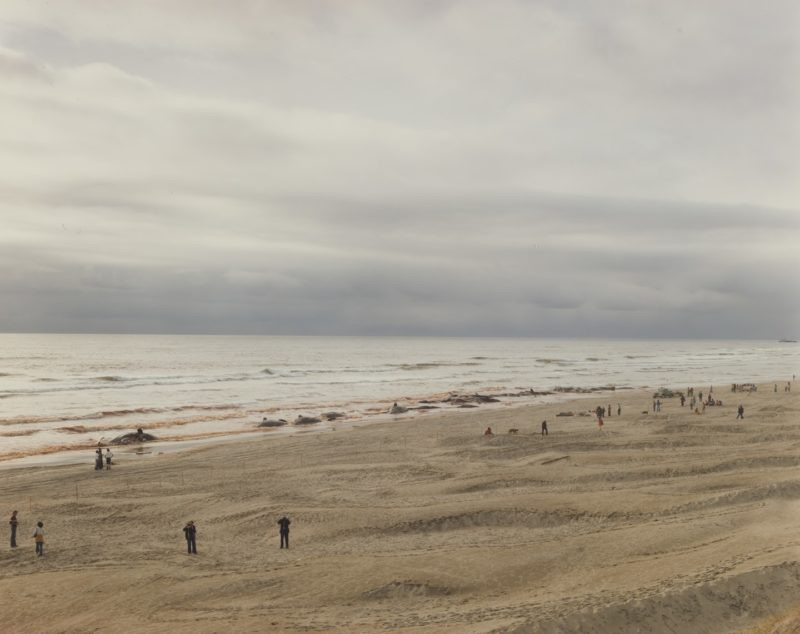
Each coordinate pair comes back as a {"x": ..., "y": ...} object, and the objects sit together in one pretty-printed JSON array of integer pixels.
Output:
[{"x": 666, "y": 522}]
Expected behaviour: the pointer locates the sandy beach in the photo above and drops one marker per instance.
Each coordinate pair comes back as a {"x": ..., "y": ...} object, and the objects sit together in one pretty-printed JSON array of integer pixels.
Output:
[{"x": 660, "y": 522}]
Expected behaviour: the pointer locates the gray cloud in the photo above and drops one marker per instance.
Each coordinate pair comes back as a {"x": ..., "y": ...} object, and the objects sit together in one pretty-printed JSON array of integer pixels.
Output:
[{"x": 508, "y": 168}]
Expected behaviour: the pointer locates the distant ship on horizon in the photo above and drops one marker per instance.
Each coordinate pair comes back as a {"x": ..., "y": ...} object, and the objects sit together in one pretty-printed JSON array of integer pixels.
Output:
[{"x": 787, "y": 340}]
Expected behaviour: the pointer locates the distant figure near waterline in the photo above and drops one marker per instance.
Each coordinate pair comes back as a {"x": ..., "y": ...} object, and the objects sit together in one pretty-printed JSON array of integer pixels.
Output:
[
  {"x": 284, "y": 531},
  {"x": 619, "y": 409},
  {"x": 544, "y": 428},
  {"x": 683, "y": 400},
  {"x": 190, "y": 532},
  {"x": 38, "y": 536},
  {"x": 13, "y": 522},
  {"x": 740, "y": 412},
  {"x": 109, "y": 456},
  {"x": 488, "y": 432},
  {"x": 609, "y": 410},
  {"x": 98, "y": 459}
]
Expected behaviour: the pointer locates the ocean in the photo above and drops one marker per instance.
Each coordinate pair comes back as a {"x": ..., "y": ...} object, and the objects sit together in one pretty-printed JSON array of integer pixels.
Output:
[{"x": 61, "y": 392}]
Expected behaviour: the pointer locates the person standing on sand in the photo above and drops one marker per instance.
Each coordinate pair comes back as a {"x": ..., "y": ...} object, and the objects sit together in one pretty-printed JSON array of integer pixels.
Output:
[
  {"x": 284, "y": 531},
  {"x": 599, "y": 412},
  {"x": 740, "y": 412},
  {"x": 13, "y": 524},
  {"x": 109, "y": 456},
  {"x": 98, "y": 459},
  {"x": 190, "y": 531},
  {"x": 38, "y": 536},
  {"x": 619, "y": 409},
  {"x": 544, "y": 429},
  {"x": 609, "y": 410}
]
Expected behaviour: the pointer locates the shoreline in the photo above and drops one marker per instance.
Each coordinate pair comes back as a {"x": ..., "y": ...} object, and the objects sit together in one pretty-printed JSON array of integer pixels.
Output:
[{"x": 415, "y": 408}]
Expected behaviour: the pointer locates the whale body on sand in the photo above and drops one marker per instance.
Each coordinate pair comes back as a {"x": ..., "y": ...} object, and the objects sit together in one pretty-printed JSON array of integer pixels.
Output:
[
  {"x": 272, "y": 423},
  {"x": 133, "y": 437}
]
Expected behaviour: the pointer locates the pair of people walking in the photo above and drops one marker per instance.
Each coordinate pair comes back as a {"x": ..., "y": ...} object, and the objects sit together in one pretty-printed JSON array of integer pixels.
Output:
[{"x": 190, "y": 533}]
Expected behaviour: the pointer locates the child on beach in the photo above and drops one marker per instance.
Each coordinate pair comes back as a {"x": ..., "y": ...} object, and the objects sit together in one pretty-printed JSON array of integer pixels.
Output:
[{"x": 38, "y": 536}]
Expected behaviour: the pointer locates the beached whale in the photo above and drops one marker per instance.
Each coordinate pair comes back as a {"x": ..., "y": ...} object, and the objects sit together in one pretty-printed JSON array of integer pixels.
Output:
[
  {"x": 306, "y": 420},
  {"x": 132, "y": 438},
  {"x": 272, "y": 422}
]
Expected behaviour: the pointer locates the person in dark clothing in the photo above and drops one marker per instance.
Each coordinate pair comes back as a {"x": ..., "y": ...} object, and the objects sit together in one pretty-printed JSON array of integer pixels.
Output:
[
  {"x": 609, "y": 410},
  {"x": 98, "y": 459},
  {"x": 13, "y": 524},
  {"x": 284, "y": 524},
  {"x": 544, "y": 428},
  {"x": 619, "y": 409},
  {"x": 190, "y": 530},
  {"x": 740, "y": 413}
]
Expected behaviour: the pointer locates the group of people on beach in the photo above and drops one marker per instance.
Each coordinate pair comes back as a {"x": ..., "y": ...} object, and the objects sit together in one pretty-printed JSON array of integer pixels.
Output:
[
  {"x": 189, "y": 532},
  {"x": 602, "y": 412}
]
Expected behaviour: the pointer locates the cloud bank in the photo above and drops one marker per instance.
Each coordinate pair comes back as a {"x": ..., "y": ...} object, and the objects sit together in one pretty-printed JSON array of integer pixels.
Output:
[{"x": 462, "y": 168}]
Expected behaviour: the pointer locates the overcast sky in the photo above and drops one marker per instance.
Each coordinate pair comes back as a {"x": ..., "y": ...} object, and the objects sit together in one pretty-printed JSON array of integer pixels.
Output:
[{"x": 542, "y": 168}]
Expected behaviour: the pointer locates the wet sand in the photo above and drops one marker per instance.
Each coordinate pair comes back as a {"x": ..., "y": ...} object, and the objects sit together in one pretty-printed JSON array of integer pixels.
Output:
[{"x": 665, "y": 522}]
